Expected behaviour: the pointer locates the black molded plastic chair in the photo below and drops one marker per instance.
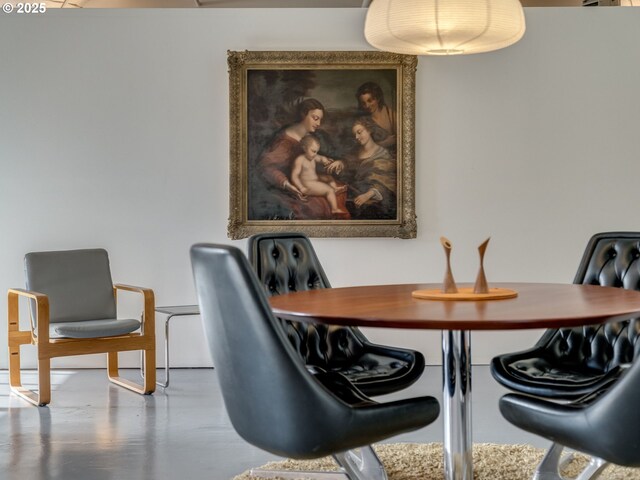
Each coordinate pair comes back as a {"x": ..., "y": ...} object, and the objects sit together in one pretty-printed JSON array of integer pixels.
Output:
[
  {"x": 287, "y": 262},
  {"x": 605, "y": 426},
  {"x": 273, "y": 401},
  {"x": 569, "y": 363}
]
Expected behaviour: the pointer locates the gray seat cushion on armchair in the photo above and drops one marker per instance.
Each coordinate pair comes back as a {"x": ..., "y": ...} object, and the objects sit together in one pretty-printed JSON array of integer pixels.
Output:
[{"x": 94, "y": 328}]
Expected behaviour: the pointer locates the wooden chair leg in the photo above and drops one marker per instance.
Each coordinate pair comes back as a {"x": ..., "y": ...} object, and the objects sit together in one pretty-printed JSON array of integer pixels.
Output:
[
  {"x": 149, "y": 371},
  {"x": 44, "y": 381},
  {"x": 14, "y": 367},
  {"x": 112, "y": 364},
  {"x": 43, "y": 396},
  {"x": 149, "y": 385}
]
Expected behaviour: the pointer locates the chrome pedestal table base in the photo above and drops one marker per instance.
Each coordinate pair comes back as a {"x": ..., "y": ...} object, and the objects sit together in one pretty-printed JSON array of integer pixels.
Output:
[{"x": 456, "y": 404}]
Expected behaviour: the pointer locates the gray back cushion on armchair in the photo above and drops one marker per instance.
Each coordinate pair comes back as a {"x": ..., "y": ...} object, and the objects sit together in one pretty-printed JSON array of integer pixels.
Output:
[
  {"x": 287, "y": 262},
  {"x": 80, "y": 291},
  {"x": 572, "y": 362}
]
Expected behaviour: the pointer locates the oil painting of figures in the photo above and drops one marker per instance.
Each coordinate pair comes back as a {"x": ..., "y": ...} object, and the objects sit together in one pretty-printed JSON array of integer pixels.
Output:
[
  {"x": 322, "y": 145},
  {"x": 288, "y": 109}
]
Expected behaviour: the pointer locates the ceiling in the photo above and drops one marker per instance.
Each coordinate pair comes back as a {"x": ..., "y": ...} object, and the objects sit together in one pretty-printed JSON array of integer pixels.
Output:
[
  {"x": 347, "y": 3},
  {"x": 253, "y": 3}
]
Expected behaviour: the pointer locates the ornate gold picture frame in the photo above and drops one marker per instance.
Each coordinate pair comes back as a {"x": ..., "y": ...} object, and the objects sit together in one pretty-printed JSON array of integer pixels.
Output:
[{"x": 322, "y": 143}]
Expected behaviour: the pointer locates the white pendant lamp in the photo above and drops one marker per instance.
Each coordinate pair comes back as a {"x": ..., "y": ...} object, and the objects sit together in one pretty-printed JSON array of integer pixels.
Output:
[{"x": 443, "y": 27}]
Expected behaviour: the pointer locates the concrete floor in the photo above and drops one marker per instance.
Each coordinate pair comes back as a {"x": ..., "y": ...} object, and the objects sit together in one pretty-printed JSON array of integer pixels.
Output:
[{"x": 94, "y": 430}]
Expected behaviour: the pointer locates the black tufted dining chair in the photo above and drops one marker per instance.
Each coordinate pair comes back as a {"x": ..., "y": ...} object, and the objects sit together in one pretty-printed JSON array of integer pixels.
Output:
[
  {"x": 272, "y": 400},
  {"x": 569, "y": 363},
  {"x": 604, "y": 426},
  {"x": 287, "y": 262}
]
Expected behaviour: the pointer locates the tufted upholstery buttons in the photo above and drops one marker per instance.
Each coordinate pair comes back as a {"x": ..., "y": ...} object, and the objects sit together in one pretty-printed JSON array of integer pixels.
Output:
[
  {"x": 571, "y": 362},
  {"x": 621, "y": 269},
  {"x": 287, "y": 263}
]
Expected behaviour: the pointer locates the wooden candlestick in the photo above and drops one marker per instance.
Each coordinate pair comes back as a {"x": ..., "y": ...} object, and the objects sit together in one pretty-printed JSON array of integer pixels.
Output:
[
  {"x": 481, "y": 280},
  {"x": 449, "y": 284}
]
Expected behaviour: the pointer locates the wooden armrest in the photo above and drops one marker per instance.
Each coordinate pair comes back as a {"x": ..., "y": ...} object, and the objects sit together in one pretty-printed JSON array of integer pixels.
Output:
[
  {"x": 37, "y": 296},
  {"x": 148, "y": 318},
  {"x": 133, "y": 288},
  {"x": 42, "y": 311}
]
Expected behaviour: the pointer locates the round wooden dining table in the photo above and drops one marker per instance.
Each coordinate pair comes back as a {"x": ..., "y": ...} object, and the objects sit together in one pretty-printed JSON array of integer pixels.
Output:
[{"x": 537, "y": 305}]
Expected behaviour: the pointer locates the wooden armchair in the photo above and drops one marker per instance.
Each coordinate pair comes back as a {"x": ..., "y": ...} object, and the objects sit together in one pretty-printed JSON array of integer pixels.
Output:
[{"x": 73, "y": 312}]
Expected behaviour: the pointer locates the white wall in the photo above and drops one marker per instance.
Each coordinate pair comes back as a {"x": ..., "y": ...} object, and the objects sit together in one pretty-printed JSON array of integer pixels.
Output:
[{"x": 114, "y": 133}]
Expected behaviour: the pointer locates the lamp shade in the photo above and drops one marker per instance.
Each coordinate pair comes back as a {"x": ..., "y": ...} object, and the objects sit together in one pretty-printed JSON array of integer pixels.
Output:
[{"x": 443, "y": 27}]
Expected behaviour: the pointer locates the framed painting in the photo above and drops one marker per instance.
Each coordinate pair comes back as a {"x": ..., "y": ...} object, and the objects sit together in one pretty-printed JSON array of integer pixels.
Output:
[{"x": 322, "y": 143}]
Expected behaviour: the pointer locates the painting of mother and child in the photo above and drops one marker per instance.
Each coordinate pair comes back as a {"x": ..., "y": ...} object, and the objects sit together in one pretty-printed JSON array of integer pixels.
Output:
[{"x": 322, "y": 145}]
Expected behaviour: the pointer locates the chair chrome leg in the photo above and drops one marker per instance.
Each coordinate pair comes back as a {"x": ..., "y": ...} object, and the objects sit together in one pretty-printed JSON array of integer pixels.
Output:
[
  {"x": 552, "y": 463},
  {"x": 549, "y": 466},
  {"x": 290, "y": 475},
  {"x": 594, "y": 469},
  {"x": 358, "y": 464},
  {"x": 361, "y": 464}
]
